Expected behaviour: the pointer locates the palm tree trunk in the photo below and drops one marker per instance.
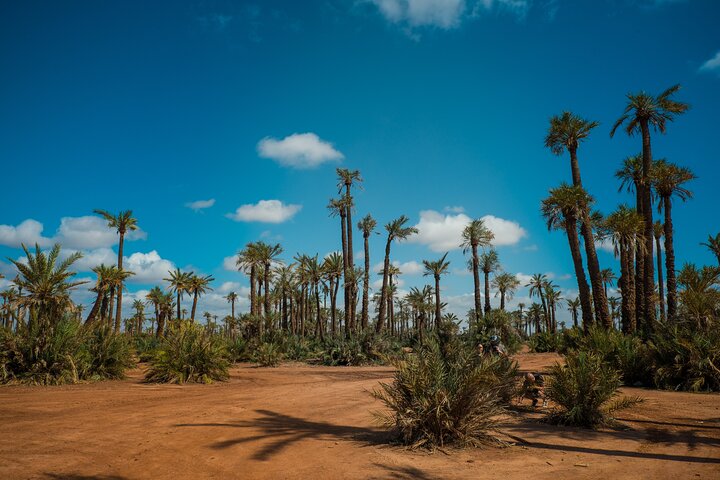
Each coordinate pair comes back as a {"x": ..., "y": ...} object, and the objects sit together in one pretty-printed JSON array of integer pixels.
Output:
[
  {"x": 476, "y": 280},
  {"x": 118, "y": 313},
  {"x": 194, "y": 306},
  {"x": 437, "y": 303},
  {"x": 602, "y": 314},
  {"x": 383, "y": 292},
  {"x": 346, "y": 265},
  {"x": 670, "y": 260},
  {"x": 267, "y": 290},
  {"x": 661, "y": 289},
  {"x": 333, "y": 292},
  {"x": 649, "y": 280},
  {"x": 366, "y": 284},
  {"x": 583, "y": 287},
  {"x": 179, "y": 317},
  {"x": 350, "y": 323},
  {"x": 320, "y": 326},
  {"x": 487, "y": 292},
  {"x": 95, "y": 308}
]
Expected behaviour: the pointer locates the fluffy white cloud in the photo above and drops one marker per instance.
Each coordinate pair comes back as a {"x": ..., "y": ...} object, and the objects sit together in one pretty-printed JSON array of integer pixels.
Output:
[
  {"x": 92, "y": 258},
  {"x": 444, "y": 232},
  {"x": 28, "y": 232},
  {"x": 299, "y": 150},
  {"x": 228, "y": 287},
  {"x": 406, "y": 268},
  {"x": 267, "y": 211},
  {"x": 230, "y": 263},
  {"x": 437, "y": 13},
  {"x": 200, "y": 204},
  {"x": 148, "y": 267},
  {"x": 712, "y": 65},
  {"x": 73, "y": 233}
]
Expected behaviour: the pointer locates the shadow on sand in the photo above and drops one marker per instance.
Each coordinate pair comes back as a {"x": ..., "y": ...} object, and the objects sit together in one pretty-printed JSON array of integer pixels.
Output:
[
  {"x": 77, "y": 476},
  {"x": 285, "y": 430}
]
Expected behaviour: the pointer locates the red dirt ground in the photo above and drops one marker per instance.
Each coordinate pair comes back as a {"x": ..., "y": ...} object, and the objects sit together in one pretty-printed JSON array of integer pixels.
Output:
[{"x": 305, "y": 422}]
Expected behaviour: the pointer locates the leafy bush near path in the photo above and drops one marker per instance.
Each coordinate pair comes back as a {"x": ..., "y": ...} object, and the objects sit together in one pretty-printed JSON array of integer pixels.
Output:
[
  {"x": 66, "y": 352},
  {"x": 189, "y": 354},
  {"x": 268, "y": 355},
  {"x": 583, "y": 389},
  {"x": 441, "y": 396}
]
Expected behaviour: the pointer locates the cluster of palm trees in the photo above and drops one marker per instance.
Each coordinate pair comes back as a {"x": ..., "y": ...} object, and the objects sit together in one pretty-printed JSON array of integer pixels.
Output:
[{"x": 657, "y": 183}]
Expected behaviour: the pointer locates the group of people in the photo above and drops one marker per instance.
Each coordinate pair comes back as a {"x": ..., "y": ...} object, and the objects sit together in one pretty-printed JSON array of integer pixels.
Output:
[{"x": 533, "y": 383}]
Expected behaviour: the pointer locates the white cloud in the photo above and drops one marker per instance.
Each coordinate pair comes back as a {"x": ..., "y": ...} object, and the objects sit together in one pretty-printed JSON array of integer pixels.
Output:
[
  {"x": 406, "y": 268},
  {"x": 200, "y": 204},
  {"x": 28, "y": 232},
  {"x": 267, "y": 211},
  {"x": 228, "y": 287},
  {"x": 712, "y": 65},
  {"x": 456, "y": 209},
  {"x": 230, "y": 263},
  {"x": 444, "y": 232},
  {"x": 416, "y": 13},
  {"x": 147, "y": 267},
  {"x": 92, "y": 258},
  {"x": 299, "y": 150}
]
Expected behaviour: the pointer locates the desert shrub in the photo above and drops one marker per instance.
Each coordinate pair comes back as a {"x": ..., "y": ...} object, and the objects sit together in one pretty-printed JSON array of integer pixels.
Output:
[
  {"x": 188, "y": 354},
  {"x": 108, "y": 355},
  {"x": 297, "y": 348},
  {"x": 343, "y": 352},
  {"x": 685, "y": 359},
  {"x": 437, "y": 399},
  {"x": 236, "y": 349},
  {"x": 625, "y": 353},
  {"x": 570, "y": 339},
  {"x": 543, "y": 342},
  {"x": 268, "y": 355},
  {"x": 497, "y": 322},
  {"x": 583, "y": 390},
  {"x": 145, "y": 346}
]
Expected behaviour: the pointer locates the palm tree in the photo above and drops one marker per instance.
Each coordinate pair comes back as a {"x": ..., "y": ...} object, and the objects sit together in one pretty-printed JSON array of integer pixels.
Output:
[
  {"x": 553, "y": 297},
  {"x": 488, "y": 263},
  {"x": 248, "y": 261},
  {"x": 537, "y": 287},
  {"x": 505, "y": 284},
  {"x": 536, "y": 312},
  {"x": 339, "y": 208},
  {"x": 625, "y": 228},
  {"x": 561, "y": 210},
  {"x": 155, "y": 296},
  {"x": 396, "y": 230},
  {"x": 231, "y": 299},
  {"x": 346, "y": 179},
  {"x": 613, "y": 303},
  {"x": 566, "y": 132},
  {"x": 699, "y": 294},
  {"x": 608, "y": 277},
  {"x": 139, "y": 307},
  {"x": 123, "y": 222},
  {"x": 116, "y": 280},
  {"x": 180, "y": 285},
  {"x": 658, "y": 229},
  {"x": 332, "y": 268},
  {"x": 101, "y": 288},
  {"x": 436, "y": 269},
  {"x": 713, "y": 244},
  {"x": 475, "y": 235},
  {"x": 669, "y": 181},
  {"x": 642, "y": 113},
  {"x": 198, "y": 286},
  {"x": 574, "y": 306},
  {"x": 267, "y": 256},
  {"x": 367, "y": 226},
  {"x": 46, "y": 284}
]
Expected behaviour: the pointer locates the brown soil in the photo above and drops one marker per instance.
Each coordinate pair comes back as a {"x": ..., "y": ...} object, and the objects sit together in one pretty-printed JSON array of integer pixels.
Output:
[{"x": 305, "y": 422}]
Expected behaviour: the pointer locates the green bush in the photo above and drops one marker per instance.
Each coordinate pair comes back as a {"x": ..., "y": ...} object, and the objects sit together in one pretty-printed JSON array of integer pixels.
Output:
[
  {"x": 268, "y": 355},
  {"x": 583, "y": 389},
  {"x": 145, "y": 346},
  {"x": 236, "y": 349},
  {"x": 685, "y": 359},
  {"x": 344, "y": 352},
  {"x": 439, "y": 398},
  {"x": 543, "y": 342},
  {"x": 188, "y": 354},
  {"x": 108, "y": 354},
  {"x": 497, "y": 322}
]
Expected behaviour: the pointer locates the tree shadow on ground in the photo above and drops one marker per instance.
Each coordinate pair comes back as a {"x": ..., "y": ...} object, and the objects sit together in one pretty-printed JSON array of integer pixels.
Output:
[
  {"x": 399, "y": 472},
  {"x": 285, "y": 430},
  {"x": 542, "y": 436},
  {"x": 673, "y": 424}
]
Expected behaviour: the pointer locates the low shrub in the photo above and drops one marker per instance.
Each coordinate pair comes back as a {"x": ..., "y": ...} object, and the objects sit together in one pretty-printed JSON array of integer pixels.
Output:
[
  {"x": 439, "y": 398},
  {"x": 545, "y": 341},
  {"x": 108, "y": 354},
  {"x": 268, "y": 355},
  {"x": 145, "y": 346},
  {"x": 188, "y": 354}
]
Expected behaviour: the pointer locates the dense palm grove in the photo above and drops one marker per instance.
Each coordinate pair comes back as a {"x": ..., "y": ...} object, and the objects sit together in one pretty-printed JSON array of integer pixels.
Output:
[{"x": 659, "y": 330}]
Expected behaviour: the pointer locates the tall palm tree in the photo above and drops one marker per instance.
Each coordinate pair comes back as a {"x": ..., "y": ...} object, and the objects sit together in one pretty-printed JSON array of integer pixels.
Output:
[
  {"x": 180, "y": 285},
  {"x": 155, "y": 296},
  {"x": 642, "y": 113},
  {"x": 608, "y": 278},
  {"x": 561, "y": 210},
  {"x": 658, "y": 230},
  {"x": 367, "y": 227},
  {"x": 625, "y": 228},
  {"x": 566, "y": 132},
  {"x": 231, "y": 299},
  {"x": 139, "y": 307},
  {"x": 396, "y": 230},
  {"x": 332, "y": 268},
  {"x": 116, "y": 281},
  {"x": 713, "y": 244},
  {"x": 339, "y": 208},
  {"x": 267, "y": 255},
  {"x": 101, "y": 288},
  {"x": 437, "y": 268},
  {"x": 475, "y": 235},
  {"x": 537, "y": 287},
  {"x": 553, "y": 297},
  {"x": 489, "y": 263},
  {"x": 346, "y": 179},
  {"x": 249, "y": 262},
  {"x": 669, "y": 182},
  {"x": 573, "y": 305},
  {"x": 613, "y": 303},
  {"x": 46, "y": 284},
  {"x": 506, "y": 284},
  {"x": 198, "y": 286},
  {"x": 123, "y": 222}
]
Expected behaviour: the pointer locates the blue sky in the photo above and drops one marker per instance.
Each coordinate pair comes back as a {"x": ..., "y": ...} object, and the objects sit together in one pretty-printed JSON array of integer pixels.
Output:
[{"x": 441, "y": 104}]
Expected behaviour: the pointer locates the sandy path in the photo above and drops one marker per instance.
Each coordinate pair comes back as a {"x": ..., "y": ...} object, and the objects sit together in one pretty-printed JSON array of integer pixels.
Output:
[{"x": 298, "y": 421}]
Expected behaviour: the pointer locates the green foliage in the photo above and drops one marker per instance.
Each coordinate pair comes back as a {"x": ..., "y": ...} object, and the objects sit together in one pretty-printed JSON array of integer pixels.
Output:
[
  {"x": 65, "y": 352},
  {"x": 236, "y": 349},
  {"x": 625, "y": 353},
  {"x": 444, "y": 396},
  {"x": 145, "y": 346},
  {"x": 545, "y": 341},
  {"x": 497, "y": 322},
  {"x": 189, "y": 354},
  {"x": 685, "y": 359},
  {"x": 582, "y": 389},
  {"x": 268, "y": 355},
  {"x": 342, "y": 351}
]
